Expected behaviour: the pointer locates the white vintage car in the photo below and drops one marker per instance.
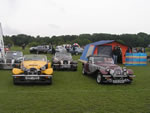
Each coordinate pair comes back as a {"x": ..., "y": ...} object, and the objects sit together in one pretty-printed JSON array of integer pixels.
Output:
[
  {"x": 63, "y": 60},
  {"x": 11, "y": 58}
]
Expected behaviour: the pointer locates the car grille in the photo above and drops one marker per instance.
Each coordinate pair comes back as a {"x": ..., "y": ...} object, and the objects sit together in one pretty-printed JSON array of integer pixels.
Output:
[
  {"x": 32, "y": 71},
  {"x": 117, "y": 72},
  {"x": 65, "y": 62},
  {"x": 8, "y": 60}
]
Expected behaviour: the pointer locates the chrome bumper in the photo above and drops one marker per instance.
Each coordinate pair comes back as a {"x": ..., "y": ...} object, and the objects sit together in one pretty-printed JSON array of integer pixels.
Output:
[
  {"x": 32, "y": 75},
  {"x": 132, "y": 76}
]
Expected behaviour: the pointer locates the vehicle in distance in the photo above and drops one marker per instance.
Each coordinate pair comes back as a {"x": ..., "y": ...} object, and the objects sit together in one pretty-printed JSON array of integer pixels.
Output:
[{"x": 40, "y": 49}]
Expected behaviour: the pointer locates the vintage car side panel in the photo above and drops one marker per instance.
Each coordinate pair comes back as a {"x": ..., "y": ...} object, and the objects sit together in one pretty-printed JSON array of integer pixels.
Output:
[
  {"x": 92, "y": 68},
  {"x": 86, "y": 67}
]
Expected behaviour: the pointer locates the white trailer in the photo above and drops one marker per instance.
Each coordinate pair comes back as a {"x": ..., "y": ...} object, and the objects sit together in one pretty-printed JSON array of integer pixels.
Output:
[{"x": 2, "y": 52}]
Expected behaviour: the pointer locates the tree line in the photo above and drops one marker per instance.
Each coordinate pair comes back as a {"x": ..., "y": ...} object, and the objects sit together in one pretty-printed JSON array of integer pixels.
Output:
[{"x": 132, "y": 40}]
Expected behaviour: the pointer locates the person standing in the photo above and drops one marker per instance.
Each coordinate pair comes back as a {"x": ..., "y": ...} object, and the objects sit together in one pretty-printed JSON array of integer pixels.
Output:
[
  {"x": 53, "y": 50},
  {"x": 119, "y": 55},
  {"x": 115, "y": 55},
  {"x": 74, "y": 50},
  {"x": 23, "y": 46},
  {"x": 9, "y": 46}
]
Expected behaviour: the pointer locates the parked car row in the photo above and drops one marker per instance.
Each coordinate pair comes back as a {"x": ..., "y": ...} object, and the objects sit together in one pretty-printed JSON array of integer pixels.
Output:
[
  {"x": 37, "y": 69},
  {"x": 48, "y": 49}
]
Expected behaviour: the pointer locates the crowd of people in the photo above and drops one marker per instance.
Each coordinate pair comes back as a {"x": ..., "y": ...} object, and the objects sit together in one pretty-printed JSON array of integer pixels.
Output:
[
  {"x": 138, "y": 50},
  {"x": 117, "y": 53}
]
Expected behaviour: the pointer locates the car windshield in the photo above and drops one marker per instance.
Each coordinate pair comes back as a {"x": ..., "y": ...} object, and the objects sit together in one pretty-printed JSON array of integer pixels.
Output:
[
  {"x": 59, "y": 54},
  {"x": 105, "y": 59},
  {"x": 14, "y": 54},
  {"x": 35, "y": 58}
]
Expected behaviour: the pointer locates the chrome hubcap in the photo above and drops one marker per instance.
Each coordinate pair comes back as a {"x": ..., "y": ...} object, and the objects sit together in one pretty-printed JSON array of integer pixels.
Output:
[{"x": 99, "y": 78}]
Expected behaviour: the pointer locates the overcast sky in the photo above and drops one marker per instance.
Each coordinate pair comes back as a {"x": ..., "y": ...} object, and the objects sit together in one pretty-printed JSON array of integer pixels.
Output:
[{"x": 62, "y": 17}]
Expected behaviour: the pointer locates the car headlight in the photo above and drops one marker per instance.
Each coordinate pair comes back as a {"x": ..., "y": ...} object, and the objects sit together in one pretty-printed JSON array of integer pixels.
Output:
[
  {"x": 127, "y": 72},
  {"x": 124, "y": 69},
  {"x": 55, "y": 59},
  {"x": 23, "y": 68},
  {"x": 43, "y": 68},
  {"x": 112, "y": 72},
  {"x": 107, "y": 70},
  {"x": 19, "y": 59}
]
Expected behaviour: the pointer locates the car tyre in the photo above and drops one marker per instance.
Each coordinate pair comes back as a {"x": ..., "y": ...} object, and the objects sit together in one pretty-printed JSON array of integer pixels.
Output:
[
  {"x": 49, "y": 81},
  {"x": 99, "y": 79},
  {"x": 15, "y": 82}
]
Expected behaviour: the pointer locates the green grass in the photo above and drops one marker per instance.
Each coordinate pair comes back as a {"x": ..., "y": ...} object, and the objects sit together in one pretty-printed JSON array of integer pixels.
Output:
[{"x": 71, "y": 92}]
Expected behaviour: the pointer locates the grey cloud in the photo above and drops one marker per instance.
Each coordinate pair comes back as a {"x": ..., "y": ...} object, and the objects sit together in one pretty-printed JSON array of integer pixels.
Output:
[
  {"x": 8, "y": 30},
  {"x": 54, "y": 26}
]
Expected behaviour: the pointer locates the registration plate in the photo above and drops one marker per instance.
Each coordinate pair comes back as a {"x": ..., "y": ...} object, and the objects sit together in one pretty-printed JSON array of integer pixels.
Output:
[
  {"x": 118, "y": 81},
  {"x": 66, "y": 66},
  {"x": 32, "y": 77}
]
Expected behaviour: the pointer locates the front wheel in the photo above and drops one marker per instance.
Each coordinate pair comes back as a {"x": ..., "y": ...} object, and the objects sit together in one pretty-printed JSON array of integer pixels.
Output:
[
  {"x": 49, "y": 81},
  {"x": 15, "y": 82},
  {"x": 99, "y": 79}
]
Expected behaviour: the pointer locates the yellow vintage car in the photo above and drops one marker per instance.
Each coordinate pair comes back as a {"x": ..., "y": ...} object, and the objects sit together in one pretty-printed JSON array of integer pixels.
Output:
[{"x": 33, "y": 69}]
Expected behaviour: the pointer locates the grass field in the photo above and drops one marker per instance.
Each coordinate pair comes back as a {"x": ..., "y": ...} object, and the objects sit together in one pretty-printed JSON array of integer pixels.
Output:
[{"x": 71, "y": 92}]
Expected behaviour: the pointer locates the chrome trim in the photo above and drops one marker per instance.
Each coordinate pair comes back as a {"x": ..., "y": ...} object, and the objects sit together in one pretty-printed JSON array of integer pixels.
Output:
[
  {"x": 32, "y": 75},
  {"x": 132, "y": 76},
  {"x": 118, "y": 75}
]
